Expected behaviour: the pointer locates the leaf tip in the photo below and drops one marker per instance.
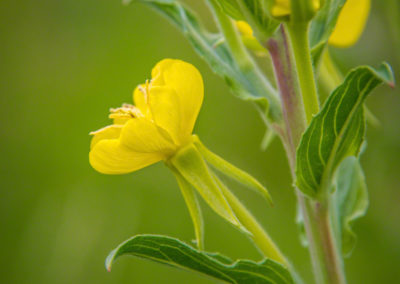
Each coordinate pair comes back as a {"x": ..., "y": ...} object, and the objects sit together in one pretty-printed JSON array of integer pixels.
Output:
[
  {"x": 268, "y": 197},
  {"x": 386, "y": 74},
  {"x": 109, "y": 260}
]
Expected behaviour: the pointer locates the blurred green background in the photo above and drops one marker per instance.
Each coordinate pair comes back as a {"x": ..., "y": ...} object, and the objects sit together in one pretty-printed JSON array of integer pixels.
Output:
[{"x": 64, "y": 63}]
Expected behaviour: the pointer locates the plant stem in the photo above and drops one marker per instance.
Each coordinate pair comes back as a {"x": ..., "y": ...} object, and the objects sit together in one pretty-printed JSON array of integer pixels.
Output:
[
  {"x": 301, "y": 48},
  {"x": 326, "y": 260},
  {"x": 291, "y": 100}
]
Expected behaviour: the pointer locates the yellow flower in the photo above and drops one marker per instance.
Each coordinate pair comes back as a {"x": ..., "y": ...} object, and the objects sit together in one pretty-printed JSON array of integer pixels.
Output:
[
  {"x": 159, "y": 127},
  {"x": 281, "y": 8},
  {"x": 351, "y": 23},
  {"x": 349, "y": 27},
  {"x": 156, "y": 127}
]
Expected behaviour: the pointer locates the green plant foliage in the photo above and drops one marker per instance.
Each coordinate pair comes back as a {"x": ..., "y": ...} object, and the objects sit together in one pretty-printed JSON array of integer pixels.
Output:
[
  {"x": 191, "y": 167},
  {"x": 322, "y": 26},
  {"x": 194, "y": 208},
  {"x": 231, "y": 171},
  {"x": 255, "y": 12},
  {"x": 177, "y": 254},
  {"x": 337, "y": 131},
  {"x": 232, "y": 9},
  {"x": 350, "y": 201},
  {"x": 215, "y": 52}
]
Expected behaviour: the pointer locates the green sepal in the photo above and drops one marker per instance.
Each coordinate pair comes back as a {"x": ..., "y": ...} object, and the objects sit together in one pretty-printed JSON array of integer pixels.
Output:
[
  {"x": 337, "y": 131},
  {"x": 194, "y": 208},
  {"x": 260, "y": 238},
  {"x": 192, "y": 167},
  {"x": 231, "y": 171},
  {"x": 177, "y": 254},
  {"x": 350, "y": 202}
]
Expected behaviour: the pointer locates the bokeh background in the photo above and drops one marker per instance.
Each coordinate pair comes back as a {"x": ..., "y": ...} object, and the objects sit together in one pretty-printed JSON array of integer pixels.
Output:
[{"x": 64, "y": 63}]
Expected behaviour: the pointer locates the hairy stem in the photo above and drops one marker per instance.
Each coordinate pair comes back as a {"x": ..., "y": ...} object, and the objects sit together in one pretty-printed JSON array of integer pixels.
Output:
[
  {"x": 326, "y": 260},
  {"x": 302, "y": 55},
  {"x": 291, "y": 100}
]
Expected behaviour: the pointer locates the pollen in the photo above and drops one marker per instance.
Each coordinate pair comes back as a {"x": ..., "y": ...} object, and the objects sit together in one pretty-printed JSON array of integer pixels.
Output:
[{"x": 126, "y": 111}]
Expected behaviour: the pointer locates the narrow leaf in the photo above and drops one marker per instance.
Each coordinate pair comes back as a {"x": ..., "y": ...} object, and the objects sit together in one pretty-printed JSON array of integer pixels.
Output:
[
  {"x": 194, "y": 209},
  {"x": 177, "y": 254},
  {"x": 232, "y": 171},
  {"x": 350, "y": 201},
  {"x": 322, "y": 26},
  {"x": 231, "y": 8},
  {"x": 337, "y": 131}
]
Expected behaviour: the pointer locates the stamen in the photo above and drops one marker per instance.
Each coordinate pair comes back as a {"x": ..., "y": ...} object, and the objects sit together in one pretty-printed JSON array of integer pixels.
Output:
[
  {"x": 127, "y": 111},
  {"x": 145, "y": 91}
]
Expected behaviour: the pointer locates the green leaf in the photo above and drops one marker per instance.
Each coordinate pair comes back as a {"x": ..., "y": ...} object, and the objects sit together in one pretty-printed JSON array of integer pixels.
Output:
[
  {"x": 177, "y": 254},
  {"x": 337, "y": 131},
  {"x": 231, "y": 8},
  {"x": 194, "y": 208},
  {"x": 322, "y": 26},
  {"x": 350, "y": 201},
  {"x": 215, "y": 52}
]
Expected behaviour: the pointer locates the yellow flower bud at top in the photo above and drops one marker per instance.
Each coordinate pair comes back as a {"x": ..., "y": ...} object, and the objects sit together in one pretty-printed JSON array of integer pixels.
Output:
[
  {"x": 244, "y": 28},
  {"x": 349, "y": 27},
  {"x": 351, "y": 23},
  {"x": 281, "y": 8},
  {"x": 156, "y": 127},
  {"x": 248, "y": 38}
]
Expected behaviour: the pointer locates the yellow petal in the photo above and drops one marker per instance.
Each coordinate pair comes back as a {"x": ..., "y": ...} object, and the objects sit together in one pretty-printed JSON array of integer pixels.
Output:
[
  {"x": 108, "y": 132},
  {"x": 187, "y": 83},
  {"x": 109, "y": 157},
  {"x": 166, "y": 110},
  {"x": 351, "y": 23},
  {"x": 281, "y": 8},
  {"x": 143, "y": 136},
  {"x": 121, "y": 120}
]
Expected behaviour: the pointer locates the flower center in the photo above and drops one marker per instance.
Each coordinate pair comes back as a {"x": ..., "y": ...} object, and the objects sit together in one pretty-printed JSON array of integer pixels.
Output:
[{"x": 126, "y": 111}]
